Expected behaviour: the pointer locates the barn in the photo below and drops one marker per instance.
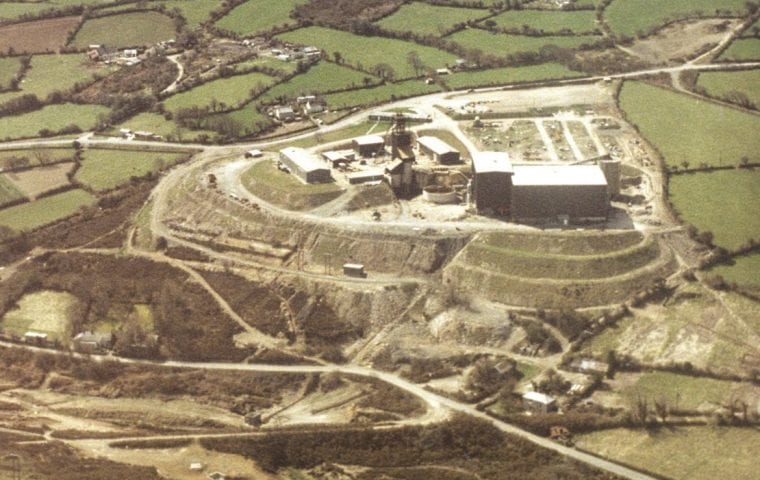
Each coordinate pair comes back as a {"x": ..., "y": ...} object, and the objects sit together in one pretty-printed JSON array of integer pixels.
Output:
[
  {"x": 304, "y": 165},
  {"x": 368, "y": 145}
]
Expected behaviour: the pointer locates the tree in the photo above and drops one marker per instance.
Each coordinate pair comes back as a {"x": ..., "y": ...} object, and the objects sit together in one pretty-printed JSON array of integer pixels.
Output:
[
  {"x": 414, "y": 60},
  {"x": 384, "y": 71}
]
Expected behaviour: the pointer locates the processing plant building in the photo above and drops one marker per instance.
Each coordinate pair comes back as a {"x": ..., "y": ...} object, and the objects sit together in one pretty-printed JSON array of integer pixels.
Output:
[
  {"x": 535, "y": 193},
  {"x": 304, "y": 165}
]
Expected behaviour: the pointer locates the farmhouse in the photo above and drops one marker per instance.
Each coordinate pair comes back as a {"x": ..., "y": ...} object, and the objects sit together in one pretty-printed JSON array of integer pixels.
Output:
[
  {"x": 437, "y": 149},
  {"x": 304, "y": 165},
  {"x": 577, "y": 192},
  {"x": 368, "y": 145},
  {"x": 89, "y": 342},
  {"x": 539, "y": 403}
]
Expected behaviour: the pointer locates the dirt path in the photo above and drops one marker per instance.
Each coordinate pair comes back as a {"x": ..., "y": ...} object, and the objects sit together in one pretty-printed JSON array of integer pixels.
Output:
[
  {"x": 550, "y": 150},
  {"x": 175, "y": 60}
]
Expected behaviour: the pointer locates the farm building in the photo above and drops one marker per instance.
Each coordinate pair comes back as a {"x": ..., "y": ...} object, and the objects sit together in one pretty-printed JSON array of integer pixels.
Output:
[
  {"x": 577, "y": 192},
  {"x": 284, "y": 114},
  {"x": 304, "y": 165},
  {"x": 366, "y": 176},
  {"x": 368, "y": 145},
  {"x": 437, "y": 149},
  {"x": 89, "y": 342},
  {"x": 491, "y": 183},
  {"x": 255, "y": 153},
  {"x": 539, "y": 403}
]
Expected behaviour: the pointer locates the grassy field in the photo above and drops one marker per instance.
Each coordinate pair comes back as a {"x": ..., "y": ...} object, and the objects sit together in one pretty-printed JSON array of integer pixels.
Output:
[
  {"x": 322, "y": 77},
  {"x": 43, "y": 312},
  {"x": 352, "y": 131},
  {"x": 424, "y": 19},
  {"x": 46, "y": 210},
  {"x": 11, "y": 10},
  {"x": 118, "y": 313},
  {"x": 107, "y": 169},
  {"x": 582, "y": 21},
  {"x": 36, "y": 181},
  {"x": 258, "y": 16},
  {"x": 285, "y": 190},
  {"x": 679, "y": 391},
  {"x": 153, "y": 122},
  {"x": 742, "y": 49},
  {"x": 194, "y": 11},
  {"x": 126, "y": 30},
  {"x": 500, "y": 76},
  {"x": 9, "y": 67},
  {"x": 379, "y": 94},
  {"x": 231, "y": 91},
  {"x": 686, "y": 129},
  {"x": 70, "y": 69},
  {"x": 52, "y": 117},
  {"x": 269, "y": 62},
  {"x": 730, "y": 219},
  {"x": 8, "y": 191},
  {"x": 694, "y": 453},
  {"x": 502, "y": 45},
  {"x": 37, "y": 37},
  {"x": 744, "y": 271},
  {"x": 631, "y": 17},
  {"x": 34, "y": 156},
  {"x": 723, "y": 84},
  {"x": 367, "y": 52}
]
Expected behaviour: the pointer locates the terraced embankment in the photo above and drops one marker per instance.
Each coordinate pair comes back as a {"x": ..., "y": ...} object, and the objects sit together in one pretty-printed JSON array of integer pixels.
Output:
[{"x": 560, "y": 270}]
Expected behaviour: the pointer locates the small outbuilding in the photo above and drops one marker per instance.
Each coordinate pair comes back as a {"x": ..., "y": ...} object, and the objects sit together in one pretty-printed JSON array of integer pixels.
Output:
[
  {"x": 255, "y": 153},
  {"x": 538, "y": 402},
  {"x": 284, "y": 113},
  {"x": 89, "y": 342}
]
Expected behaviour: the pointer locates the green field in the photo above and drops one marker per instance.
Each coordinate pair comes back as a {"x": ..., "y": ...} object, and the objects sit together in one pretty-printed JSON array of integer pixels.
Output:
[
  {"x": 285, "y": 190},
  {"x": 346, "y": 133},
  {"x": 43, "y": 312},
  {"x": 52, "y": 117},
  {"x": 731, "y": 219},
  {"x": 424, "y": 19},
  {"x": 694, "y": 453},
  {"x": 12, "y": 10},
  {"x": 221, "y": 94},
  {"x": 256, "y": 16},
  {"x": 686, "y": 129},
  {"x": 194, "y": 11},
  {"x": 126, "y": 30},
  {"x": 379, "y": 94},
  {"x": 745, "y": 271},
  {"x": 70, "y": 69},
  {"x": 8, "y": 191},
  {"x": 367, "y": 52},
  {"x": 726, "y": 84},
  {"x": 322, "y": 77},
  {"x": 631, "y": 17},
  {"x": 9, "y": 67},
  {"x": 742, "y": 49},
  {"x": 502, "y": 45},
  {"x": 45, "y": 210},
  {"x": 153, "y": 122},
  {"x": 582, "y": 21},
  {"x": 505, "y": 75},
  {"x": 107, "y": 169},
  {"x": 34, "y": 156},
  {"x": 269, "y": 62}
]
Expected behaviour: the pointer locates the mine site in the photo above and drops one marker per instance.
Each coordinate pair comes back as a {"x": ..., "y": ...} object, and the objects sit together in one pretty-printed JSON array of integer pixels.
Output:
[{"x": 379, "y": 240}]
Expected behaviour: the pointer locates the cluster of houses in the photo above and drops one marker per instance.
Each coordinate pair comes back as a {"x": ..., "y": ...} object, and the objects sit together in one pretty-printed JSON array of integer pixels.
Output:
[
  {"x": 306, "y": 105},
  {"x": 537, "y": 402},
  {"x": 109, "y": 55}
]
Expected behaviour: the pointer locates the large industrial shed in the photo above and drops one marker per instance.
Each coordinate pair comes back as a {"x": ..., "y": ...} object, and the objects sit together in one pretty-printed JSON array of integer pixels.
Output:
[
  {"x": 491, "y": 181},
  {"x": 438, "y": 150},
  {"x": 304, "y": 165},
  {"x": 573, "y": 192}
]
